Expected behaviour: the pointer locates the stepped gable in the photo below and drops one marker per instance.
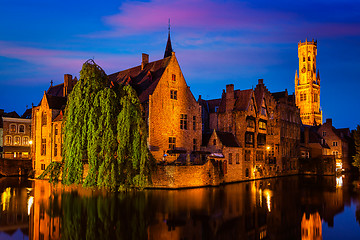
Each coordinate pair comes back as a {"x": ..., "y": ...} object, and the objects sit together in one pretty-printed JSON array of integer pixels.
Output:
[{"x": 143, "y": 80}]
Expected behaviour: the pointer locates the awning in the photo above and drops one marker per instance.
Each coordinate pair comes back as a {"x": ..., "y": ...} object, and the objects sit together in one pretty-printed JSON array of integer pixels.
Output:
[{"x": 176, "y": 151}]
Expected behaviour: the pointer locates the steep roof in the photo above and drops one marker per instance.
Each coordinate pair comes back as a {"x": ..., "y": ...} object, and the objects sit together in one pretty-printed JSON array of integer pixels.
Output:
[
  {"x": 56, "y": 90},
  {"x": 211, "y": 104},
  {"x": 227, "y": 139},
  {"x": 145, "y": 80},
  {"x": 168, "y": 49},
  {"x": 27, "y": 114},
  {"x": 12, "y": 114},
  {"x": 279, "y": 95},
  {"x": 242, "y": 99},
  {"x": 56, "y": 102}
]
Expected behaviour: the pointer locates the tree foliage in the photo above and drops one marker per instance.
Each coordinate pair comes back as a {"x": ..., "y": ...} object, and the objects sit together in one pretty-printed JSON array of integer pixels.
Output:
[
  {"x": 104, "y": 126},
  {"x": 356, "y": 157}
]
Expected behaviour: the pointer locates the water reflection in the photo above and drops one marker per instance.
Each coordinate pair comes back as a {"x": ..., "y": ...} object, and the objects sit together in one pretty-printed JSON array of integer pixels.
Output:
[
  {"x": 14, "y": 217},
  {"x": 283, "y": 208}
]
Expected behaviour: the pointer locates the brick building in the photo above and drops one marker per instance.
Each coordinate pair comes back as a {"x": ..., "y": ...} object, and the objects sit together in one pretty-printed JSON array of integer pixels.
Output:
[
  {"x": 172, "y": 113},
  {"x": 46, "y": 124},
  {"x": 338, "y": 142},
  {"x": 15, "y": 135},
  {"x": 288, "y": 117}
]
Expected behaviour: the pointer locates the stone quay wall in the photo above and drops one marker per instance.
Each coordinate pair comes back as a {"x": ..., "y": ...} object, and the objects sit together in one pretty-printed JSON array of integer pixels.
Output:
[{"x": 15, "y": 167}]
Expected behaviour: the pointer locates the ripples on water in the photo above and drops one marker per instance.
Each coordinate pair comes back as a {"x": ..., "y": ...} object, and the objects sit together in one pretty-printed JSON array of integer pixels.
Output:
[{"x": 282, "y": 208}]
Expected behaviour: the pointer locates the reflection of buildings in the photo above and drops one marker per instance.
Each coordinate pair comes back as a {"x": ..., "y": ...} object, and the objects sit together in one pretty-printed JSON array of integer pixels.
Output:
[
  {"x": 44, "y": 225},
  {"x": 14, "y": 213},
  {"x": 311, "y": 227}
]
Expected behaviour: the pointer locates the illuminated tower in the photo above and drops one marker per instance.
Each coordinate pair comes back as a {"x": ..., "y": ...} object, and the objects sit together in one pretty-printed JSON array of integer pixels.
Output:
[{"x": 307, "y": 84}]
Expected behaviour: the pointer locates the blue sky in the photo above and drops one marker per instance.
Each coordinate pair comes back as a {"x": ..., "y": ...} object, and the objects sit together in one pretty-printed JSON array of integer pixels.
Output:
[{"x": 216, "y": 43}]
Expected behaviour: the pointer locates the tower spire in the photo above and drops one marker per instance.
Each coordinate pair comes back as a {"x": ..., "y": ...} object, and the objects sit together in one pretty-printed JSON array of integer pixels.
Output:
[{"x": 168, "y": 49}]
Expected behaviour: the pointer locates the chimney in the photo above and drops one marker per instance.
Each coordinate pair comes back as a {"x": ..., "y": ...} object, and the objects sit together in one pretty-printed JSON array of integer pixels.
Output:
[
  {"x": 230, "y": 100},
  {"x": 67, "y": 84},
  {"x": 199, "y": 97},
  {"x": 329, "y": 121},
  {"x": 260, "y": 81},
  {"x": 145, "y": 60}
]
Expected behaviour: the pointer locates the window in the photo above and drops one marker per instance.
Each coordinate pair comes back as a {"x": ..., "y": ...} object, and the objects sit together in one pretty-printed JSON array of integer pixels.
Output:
[
  {"x": 247, "y": 155},
  {"x": 21, "y": 128},
  {"x": 17, "y": 140},
  {"x": 214, "y": 142},
  {"x": 237, "y": 158},
  {"x": 56, "y": 131},
  {"x": 263, "y": 111},
  {"x": 43, "y": 146},
  {"x": 335, "y": 153},
  {"x": 13, "y": 128},
  {"x": 247, "y": 172},
  {"x": 302, "y": 97},
  {"x": 42, "y": 166},
  {"x": 259, "y": 155},
  {"x": 172, "y": 142},
  {"x": 249, "y": 138},
  {"x": 261, "y": 139},
  {"x": 250, "y": 123},
  {"x": 55, "y": 149},
  {"x": 335, "y": 144},
  {"x": 230, "y": 158},
  {"x": 194, "y": 123},
  {"x": 25, "y": 141},
  {"x": 43, "y": 119},
  {"x": 324, "y": 133},
  {"x": 216, "y": 108},
  {"x": 194, "y": 144},
  {"x": 173, "y": 77},
  {"x": 316, "y": 99},
  {"x": 262, "y": 125},
  {"x": 303, "y": 59},
  {"x": 173, "y": 94},
  {"x": 8, "y": 140},
  {"x": 183, "y": 121}
]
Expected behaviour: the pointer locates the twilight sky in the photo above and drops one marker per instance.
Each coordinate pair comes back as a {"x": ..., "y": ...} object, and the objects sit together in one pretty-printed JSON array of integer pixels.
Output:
[{"x": 216, "y": 43}]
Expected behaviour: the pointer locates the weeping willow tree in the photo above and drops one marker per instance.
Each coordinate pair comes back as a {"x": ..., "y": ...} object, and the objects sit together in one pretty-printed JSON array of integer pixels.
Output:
[{"x": 105, "y": 126}]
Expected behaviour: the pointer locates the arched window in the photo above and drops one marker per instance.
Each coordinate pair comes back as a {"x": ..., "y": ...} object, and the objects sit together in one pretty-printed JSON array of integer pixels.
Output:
[
  {"x": 13, "y": 128},
  {"x": 21, "y": 128},
  {"x": 8, "y": 140},
  {"x": 17, "y": 140},
  {"x": 25, "y": 141}
]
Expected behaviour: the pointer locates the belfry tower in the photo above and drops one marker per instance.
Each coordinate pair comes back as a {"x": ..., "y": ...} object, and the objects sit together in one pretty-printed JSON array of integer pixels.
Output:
[{"x": 307, "y": 84}]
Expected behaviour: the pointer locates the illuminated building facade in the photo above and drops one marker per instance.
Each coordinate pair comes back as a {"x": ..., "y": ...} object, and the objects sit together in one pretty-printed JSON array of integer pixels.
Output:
[
  {"x": 15, "y": 135},
  {"x": 307, "y": 84},
  {"x": 46, "y": 124}
]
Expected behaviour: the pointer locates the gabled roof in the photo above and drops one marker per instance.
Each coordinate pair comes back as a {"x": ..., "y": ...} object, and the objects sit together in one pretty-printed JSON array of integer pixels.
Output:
[
  {"x": 56, "y": 90},
  {"x": 242, "y": 99},
  {"x": 145, "y": 80},
  {"x": 227, "y": 139},
  {"x": 279, "y": 95},
  {"x": 12, "y": 114},
  {"x": 210, "y": 105},
  {"x": 27, "y": 114},
  {"x": 56, "y": 102}
]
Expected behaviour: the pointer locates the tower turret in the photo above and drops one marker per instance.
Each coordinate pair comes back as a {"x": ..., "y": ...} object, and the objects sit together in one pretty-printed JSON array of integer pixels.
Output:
[
  {"x": 307, "y": 84},
  {"x": 168, "y": 49}
]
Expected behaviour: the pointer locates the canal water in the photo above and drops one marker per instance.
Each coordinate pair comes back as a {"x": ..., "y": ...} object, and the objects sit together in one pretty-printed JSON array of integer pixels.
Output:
[{"x": 297, "y": 207}]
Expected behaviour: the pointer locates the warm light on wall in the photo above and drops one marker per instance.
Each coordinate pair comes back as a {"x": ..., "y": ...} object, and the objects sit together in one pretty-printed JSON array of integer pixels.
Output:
[
  {"x": 30, "y": 202},
  {"x": 30, "y": 142}
]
